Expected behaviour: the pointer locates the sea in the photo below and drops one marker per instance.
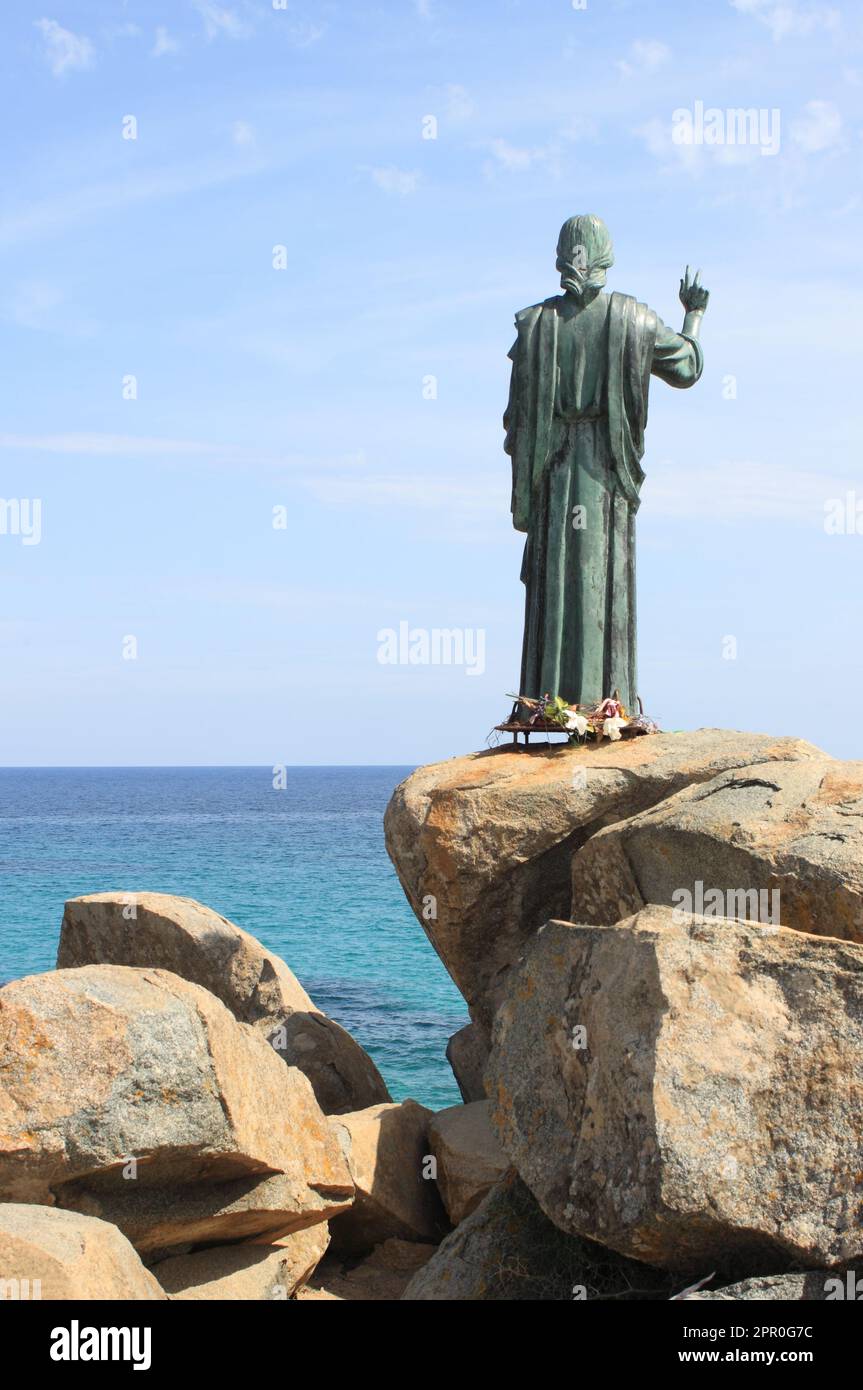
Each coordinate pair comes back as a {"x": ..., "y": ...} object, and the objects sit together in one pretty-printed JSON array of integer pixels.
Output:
[{"x": 302, "y": 866}]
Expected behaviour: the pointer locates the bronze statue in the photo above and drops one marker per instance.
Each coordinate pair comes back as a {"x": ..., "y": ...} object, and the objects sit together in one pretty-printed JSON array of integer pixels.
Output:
[{"x": 581, "y": 368}]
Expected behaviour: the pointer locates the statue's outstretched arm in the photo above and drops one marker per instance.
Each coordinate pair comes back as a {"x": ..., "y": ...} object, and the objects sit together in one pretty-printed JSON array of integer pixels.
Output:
[{"x": 694, "y": 298}]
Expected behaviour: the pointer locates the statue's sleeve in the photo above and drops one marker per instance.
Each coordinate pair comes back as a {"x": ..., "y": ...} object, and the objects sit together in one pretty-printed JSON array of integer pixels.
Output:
[
  {"x": 514, "y": 443},
  {"x": 509, "y": 415},
  {"x": 678, "y": 361}
]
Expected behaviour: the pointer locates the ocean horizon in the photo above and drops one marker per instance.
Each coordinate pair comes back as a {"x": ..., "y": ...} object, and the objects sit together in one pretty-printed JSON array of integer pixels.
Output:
[{"x": 302, "y": 867}]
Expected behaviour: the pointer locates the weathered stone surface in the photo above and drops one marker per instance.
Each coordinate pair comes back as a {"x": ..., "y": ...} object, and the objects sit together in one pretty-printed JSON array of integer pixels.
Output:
[
  {"x": 467, "y": 1054},
  {"x": 107, "y": 1063},
  {"x": 710, "y": 1113},
  {"x": 158, "y": 1220},
  {"x": 783, "y": 836},
  {"x": 813, "y": 1288},
  {"x": 483, "y": 844},
  {"x": 248, "y": 1272},
  {"x": 469, "y": 1157},
  {"x": 381, "y": 1277},
  {"x": 507, "y": 1250},
  {"x": 386, "y": 1147},
  {"x": 196, "y": 943},
  {"x": 49, "y": 1254}
]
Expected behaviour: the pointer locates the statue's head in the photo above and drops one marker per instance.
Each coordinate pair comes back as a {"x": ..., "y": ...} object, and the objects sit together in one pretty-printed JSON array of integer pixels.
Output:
[{"x": 584, "y": 253}]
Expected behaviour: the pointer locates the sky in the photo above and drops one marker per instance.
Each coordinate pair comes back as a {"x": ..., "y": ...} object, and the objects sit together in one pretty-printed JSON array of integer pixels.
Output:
[{"x": 258, "y": 272}]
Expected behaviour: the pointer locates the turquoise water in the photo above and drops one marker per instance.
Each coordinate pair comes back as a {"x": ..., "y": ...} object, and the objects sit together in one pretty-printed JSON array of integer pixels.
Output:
[{"x": 304, "y": 869}]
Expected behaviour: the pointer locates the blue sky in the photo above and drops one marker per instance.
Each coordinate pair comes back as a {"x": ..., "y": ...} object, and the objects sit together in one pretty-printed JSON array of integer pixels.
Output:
[{"x": 307, "y": 388}]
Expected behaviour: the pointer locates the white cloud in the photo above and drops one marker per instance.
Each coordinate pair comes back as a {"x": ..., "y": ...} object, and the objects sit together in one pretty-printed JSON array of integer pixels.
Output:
[
  {"x": 645, "y": 55},
  {"x": 220, "y": 21},
  {"x": 819, "y": 128},
  {"x": 459, "y": 106},
  {"x": 87, "y": 201},
  {"x": 514, "y": 157},
  {"x": 750, "y": 491},
  {"x": 518, "y": 159},
  {"x": 123, "y": 31},
  {"x": 32, "y": 303},
  {"x": 164, "y": 43},
  {"x": 105, "y": 445},
  {"x": 98, "y": 445},
  {"x": 480, "y": 496},
  {"x": 693, "y": 155},
  {"x": 786, "y": 19},
  {"x": 657, "y": 137},
  {"x": 64, "y": 50},
  {"x": 393, "y": 180},
  {"x": 304, "y": 34},
  {"x": 242, "y": 133}
]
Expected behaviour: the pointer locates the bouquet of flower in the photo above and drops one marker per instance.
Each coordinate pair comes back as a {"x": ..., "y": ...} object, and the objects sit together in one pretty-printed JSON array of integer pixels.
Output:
[{"x": 602, "y": 719}]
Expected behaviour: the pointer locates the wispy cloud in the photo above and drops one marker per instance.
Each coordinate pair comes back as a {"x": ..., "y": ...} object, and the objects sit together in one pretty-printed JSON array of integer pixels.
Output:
[
  {"x": 65, "y": 51},
  {"x": 50, "y": 215},
  {"x": 750, "y": 491},
  {"x": 242, "y": 133},
  {"x": 102, "y": 445},
  {"x": 645, "y": 55},
  {"x": 786, "y": 19},
  {"x": 393, "y": 180},
  {"x": 164, "y": 43},
  {"x": 40, "y": 306},
  {"x": 819, "y": 128},
  {"x": 518, "y": 159},
  {"x": 32, "y": 304},
  {"x": 304, "y": 34},
  {"x": 459, "y": 104},
  {"x": 479, "y": 496},
  {"x": 221, "y": 22}
]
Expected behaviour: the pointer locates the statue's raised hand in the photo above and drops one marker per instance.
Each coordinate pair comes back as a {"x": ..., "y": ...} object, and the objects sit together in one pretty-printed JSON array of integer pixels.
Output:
[{"x": 693, "y": 296}]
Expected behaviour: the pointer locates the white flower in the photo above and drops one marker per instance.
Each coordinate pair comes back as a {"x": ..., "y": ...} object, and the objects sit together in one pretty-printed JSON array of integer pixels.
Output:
[
  {"x": 612, "y": 727},
  {"x": 576, "y": 721}
]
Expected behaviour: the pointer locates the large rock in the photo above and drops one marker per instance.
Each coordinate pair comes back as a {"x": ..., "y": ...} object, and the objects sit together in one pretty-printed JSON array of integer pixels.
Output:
[
  {"x": 688, "y": 1093},
  {"x": 178, "y": 934},
  {"x": 106, "y": 1064},
  {"x": 467, "y": 1054},
  {"x": 469, "y": 1157},
  {"x": 509, "y": 1251},
  {"x": 483, "y": 844},
  {"x": 49, "y": 1254},
  {"x": 778, "y": 841},
  {"x": 387, "y": 1150},
  {"x": 247, "y": 1272},
  {"x": 163, "y": 1220},
  {"x": 814, "y": 1287}
]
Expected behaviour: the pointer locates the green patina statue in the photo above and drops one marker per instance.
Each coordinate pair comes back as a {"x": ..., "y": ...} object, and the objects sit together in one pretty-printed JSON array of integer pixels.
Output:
[{"x": 581, "y": 368}]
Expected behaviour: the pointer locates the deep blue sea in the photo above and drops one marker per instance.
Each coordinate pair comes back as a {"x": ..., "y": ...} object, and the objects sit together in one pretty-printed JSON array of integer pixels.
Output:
[{"x": 304, "y": 869}]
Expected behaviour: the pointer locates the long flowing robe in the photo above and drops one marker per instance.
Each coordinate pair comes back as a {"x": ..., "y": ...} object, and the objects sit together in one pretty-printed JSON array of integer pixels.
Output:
[{"x": 575, "y": 431}]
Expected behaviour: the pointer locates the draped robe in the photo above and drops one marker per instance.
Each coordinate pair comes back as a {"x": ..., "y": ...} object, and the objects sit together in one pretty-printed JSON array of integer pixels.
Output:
[{"x": 575, "y": 432}]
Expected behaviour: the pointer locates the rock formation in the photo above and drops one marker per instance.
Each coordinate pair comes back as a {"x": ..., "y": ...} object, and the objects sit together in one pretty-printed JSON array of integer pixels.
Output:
[
  {"x": 483, "y": 845},
  {"x": 467, "y": 1054},
  {"x": 183, "y": 936},
  {"x": 123, "y": 1079},
  {"x": 661, "y": 946},
  {"x": 689, "y": 1094},
  {"x": 780, "y": 841},
  {"x": 675, "y": 1066},
  {"x": 387, "y": 1150},
  {"x": 469, "y": 1157},
  {"x": 49, "y": 1254},
  {"x": 247, "y": 1272}
]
